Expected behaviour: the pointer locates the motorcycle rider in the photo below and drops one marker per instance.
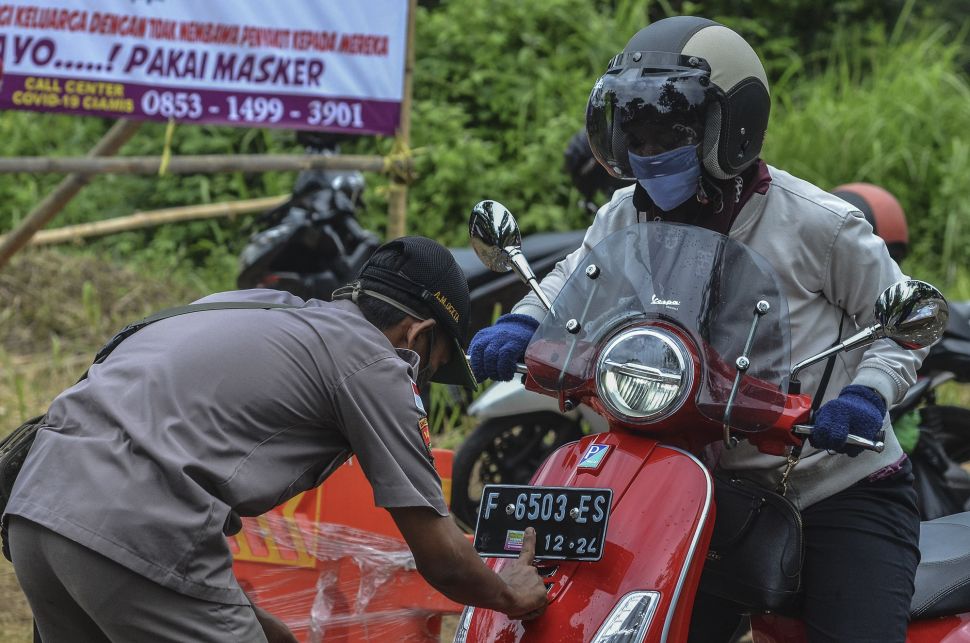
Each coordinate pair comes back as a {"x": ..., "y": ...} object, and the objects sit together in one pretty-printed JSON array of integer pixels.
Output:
[
  {"x": 117, "y": 519},
  {"x": 683, "y": 110}
]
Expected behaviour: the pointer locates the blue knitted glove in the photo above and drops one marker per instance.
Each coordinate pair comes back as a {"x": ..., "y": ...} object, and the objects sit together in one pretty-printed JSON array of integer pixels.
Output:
[
  {"x": 858, "y": 410},
  {"x": 495, "y": 350}
]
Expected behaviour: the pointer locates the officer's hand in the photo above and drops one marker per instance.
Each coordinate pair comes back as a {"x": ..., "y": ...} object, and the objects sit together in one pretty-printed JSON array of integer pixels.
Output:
[
  {"x": 495, "y": 350},
  {"x": 858, "y": 410},
  {"x": 524, "y": 581}
]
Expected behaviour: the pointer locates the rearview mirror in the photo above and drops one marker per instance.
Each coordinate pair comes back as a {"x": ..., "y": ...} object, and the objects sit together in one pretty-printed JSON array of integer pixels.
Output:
[
  {"x": 498, "y": 243},
  {"x": 912, "y": 313},
  {"x": 494, "y": 235}
]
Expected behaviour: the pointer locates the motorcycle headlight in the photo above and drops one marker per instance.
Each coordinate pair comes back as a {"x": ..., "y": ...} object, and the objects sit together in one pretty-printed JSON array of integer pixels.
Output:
[{"x": 643, "y": 374}]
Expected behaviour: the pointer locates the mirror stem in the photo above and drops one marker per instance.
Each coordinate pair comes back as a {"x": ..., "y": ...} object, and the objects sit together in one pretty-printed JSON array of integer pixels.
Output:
[
  {"x": 521, "y": 266},
  {"x": 863, "y": 338}
]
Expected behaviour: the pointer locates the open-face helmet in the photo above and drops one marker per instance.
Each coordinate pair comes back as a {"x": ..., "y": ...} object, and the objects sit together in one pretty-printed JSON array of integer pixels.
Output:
[{"x": 681, "y": 81}]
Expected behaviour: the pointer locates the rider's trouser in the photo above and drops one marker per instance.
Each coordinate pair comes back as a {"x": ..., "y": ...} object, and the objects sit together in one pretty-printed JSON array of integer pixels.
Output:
[
  {"x": 861, "y": 553},
  {"x": 78, "y": 595}
]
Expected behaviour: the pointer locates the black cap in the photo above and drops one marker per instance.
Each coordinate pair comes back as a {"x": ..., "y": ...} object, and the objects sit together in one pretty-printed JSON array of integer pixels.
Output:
[{"x": 417, "y": 272}]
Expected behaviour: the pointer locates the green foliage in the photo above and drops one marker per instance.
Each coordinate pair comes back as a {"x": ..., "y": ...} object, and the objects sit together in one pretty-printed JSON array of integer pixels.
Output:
[
  {"x": 499, "y": 88},
  {"x": 194, "y": 248},
  {"x": 897, "y": 115},
  {"x": 862, "y": 90}
]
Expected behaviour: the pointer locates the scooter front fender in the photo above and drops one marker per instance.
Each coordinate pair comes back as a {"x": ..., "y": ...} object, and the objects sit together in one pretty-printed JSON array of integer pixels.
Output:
[{"x": 657, "y": 537}]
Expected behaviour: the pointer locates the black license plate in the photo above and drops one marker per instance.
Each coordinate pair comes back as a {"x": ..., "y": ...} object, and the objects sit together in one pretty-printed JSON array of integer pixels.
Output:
[{"x": 570, "y": 523}]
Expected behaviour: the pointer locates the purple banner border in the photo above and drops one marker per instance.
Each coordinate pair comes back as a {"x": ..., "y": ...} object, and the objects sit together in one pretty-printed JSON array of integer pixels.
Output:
[{"x": 199, "y": 106}]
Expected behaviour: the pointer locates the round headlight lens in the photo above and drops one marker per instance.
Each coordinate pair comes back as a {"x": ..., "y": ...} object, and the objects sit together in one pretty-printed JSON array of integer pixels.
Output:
[{"x": 643, "y": 374}]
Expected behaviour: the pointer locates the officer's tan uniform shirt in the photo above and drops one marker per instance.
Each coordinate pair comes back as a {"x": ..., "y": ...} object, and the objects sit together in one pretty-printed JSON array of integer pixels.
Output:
[{"x": 217, "y": 411}]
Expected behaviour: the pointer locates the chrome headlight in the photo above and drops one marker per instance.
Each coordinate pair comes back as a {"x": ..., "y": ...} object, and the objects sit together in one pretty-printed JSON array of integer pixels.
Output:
[{"x": 644, "y": 374}]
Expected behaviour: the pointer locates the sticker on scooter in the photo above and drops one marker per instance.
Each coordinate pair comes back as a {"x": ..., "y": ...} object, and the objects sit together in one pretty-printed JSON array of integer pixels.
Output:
[
  {"x": 594, "y": 456},
  {"x": 513, "y": 540}
]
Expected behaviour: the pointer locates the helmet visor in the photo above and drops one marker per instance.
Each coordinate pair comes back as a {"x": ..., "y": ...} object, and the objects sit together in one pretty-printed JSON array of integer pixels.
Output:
[{"x": 647, "y": 103}]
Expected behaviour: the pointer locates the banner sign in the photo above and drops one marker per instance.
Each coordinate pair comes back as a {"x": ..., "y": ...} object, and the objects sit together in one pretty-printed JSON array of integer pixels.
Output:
[{"x": 294, "y": 64}]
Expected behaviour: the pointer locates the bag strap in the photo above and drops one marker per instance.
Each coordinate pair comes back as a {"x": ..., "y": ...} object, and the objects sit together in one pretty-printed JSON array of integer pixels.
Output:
[
  {"x": 796, "y": 452},
  {"x": 134, "y": 327}
]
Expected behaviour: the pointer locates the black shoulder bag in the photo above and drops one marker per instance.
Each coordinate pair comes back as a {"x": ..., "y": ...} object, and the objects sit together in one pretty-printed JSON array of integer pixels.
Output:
[
  {"x": 756, "y": 551},
  {"x": 15, "y": 447}
]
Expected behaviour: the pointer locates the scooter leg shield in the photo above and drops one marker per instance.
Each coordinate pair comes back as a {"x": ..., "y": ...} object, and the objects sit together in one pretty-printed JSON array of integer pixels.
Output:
[{"x": 659, "y": 527}]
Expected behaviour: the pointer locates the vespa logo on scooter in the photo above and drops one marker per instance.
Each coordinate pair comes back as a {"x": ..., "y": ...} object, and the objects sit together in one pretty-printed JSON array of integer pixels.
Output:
[
  {"x": 670, "y": 303},
  {"x": 594, "y": 456}
]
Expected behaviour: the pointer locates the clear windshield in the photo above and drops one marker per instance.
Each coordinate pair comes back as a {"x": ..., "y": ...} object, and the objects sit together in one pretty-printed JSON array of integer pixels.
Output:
[{"x": 701, "y": 281}]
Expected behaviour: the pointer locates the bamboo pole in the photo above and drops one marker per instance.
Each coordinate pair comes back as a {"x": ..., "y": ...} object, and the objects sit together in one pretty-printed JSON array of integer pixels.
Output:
[
  {"x": 147, "y": 219},
  {"x": 200, "y": 164},
  {"x": 397, "y": 198},
  {"x": 66, "y": 190}
]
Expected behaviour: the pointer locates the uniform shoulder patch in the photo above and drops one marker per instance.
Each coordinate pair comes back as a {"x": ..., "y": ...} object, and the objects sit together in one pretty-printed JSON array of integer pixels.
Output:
[
  {"x": 417, "y": 398},
  {"x": 426, "y": 436}
]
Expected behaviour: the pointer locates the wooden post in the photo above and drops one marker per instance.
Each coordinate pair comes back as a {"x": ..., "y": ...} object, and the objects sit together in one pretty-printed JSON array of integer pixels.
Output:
[
  {"x": 66, "y": 190},
  {"x": 397, "y": 198}
]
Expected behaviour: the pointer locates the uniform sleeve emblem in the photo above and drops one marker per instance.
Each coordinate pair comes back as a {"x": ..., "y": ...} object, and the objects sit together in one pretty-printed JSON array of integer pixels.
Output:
[
  {"x": 417, "y": 398},
  {"x": 426, "y": 436}
]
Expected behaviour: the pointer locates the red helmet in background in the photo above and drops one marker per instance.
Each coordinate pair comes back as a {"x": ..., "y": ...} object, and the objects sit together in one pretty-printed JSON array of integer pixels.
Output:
[{"x": 882, "y": 211}]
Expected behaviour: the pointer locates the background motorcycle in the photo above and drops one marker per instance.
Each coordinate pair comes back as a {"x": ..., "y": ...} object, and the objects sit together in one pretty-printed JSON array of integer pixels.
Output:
[
  {"x": 942, "y": 451},
  {"x": 312, "y": 244}
]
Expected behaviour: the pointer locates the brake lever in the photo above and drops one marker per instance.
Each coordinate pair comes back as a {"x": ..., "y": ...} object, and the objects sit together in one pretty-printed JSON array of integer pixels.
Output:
[
  {"x": 876, "y": 445},
  {"x": 520, "y": 368}
]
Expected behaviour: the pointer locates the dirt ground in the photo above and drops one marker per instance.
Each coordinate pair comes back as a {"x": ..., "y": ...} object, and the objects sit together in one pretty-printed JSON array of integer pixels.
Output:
[{"x": 15, "y": 618}]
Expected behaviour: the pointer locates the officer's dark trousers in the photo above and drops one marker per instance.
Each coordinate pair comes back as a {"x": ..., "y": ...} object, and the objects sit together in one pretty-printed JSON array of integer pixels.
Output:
[
  {"x": 861, "y": 553},
  {"x": 78, "y": 595}
]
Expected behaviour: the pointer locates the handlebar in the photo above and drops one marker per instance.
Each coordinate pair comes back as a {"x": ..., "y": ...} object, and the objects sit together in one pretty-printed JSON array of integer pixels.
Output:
[{"x": 876, "y": 445}]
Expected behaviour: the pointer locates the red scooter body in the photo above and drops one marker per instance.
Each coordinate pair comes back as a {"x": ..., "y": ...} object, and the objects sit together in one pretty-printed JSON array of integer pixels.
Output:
[
  {"x": 673, "y": 313},
  {"x": 660, "y": 526}
]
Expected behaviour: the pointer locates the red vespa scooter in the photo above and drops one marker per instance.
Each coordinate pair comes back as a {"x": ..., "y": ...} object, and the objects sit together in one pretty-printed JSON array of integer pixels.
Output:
[{"x": 679, "y": 336}]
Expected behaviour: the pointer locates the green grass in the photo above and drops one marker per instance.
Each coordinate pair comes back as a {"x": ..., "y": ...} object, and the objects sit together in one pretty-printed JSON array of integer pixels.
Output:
[{"x": 897, "y": 114}]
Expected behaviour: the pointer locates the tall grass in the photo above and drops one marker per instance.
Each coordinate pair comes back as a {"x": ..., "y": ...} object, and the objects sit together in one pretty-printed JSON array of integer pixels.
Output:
[{"x": 896, "y": 114}]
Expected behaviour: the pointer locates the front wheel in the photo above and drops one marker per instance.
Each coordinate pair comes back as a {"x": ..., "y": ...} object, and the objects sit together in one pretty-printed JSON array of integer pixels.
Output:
[{"x": 504, "y": 450}]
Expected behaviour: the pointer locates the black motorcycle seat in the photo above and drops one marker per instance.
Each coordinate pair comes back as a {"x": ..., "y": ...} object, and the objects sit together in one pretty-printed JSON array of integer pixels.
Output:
[
  {"x": 958, "y": 323},
  {"x": 949, "y": 354},
  {"x": 943, "y": 575}
]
